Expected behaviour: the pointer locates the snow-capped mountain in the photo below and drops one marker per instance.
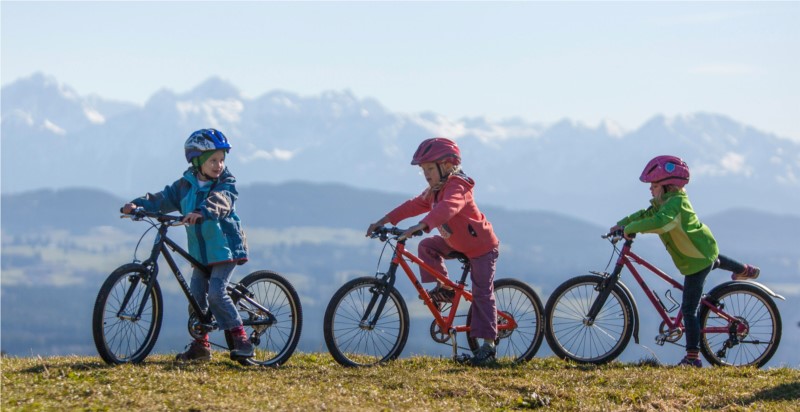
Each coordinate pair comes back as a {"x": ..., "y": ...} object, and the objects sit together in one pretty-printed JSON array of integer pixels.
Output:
[{"x": 54, "y": 138}]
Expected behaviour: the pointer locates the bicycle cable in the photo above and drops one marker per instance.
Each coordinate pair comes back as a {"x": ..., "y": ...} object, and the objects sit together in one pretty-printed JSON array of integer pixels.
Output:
[
  {"x": 136, "y": 249},
  {"x": 383, "y": 250},
  {"x": 613, "y": 253}
]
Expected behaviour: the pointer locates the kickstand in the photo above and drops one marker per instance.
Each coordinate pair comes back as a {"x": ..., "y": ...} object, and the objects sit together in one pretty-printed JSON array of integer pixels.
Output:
[{"x": 455, "y": 344}]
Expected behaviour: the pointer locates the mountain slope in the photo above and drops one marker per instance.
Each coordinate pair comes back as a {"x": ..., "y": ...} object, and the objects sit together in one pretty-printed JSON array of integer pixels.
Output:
[{"x": 337, "y": 137}]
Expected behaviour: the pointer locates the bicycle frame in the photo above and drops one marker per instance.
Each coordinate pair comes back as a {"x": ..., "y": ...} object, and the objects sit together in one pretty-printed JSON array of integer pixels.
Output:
[
  {"x": 626, "y": 259},
  {"x": 445, "y": 323},
  {"x": 161, "y": 246}
]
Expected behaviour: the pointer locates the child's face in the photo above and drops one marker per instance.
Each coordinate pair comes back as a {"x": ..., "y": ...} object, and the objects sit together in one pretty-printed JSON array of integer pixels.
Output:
[
  {"x": 431, "y": 173},
  {"x": 215, "y": 164},
  {"x": 656, "y": 190}
]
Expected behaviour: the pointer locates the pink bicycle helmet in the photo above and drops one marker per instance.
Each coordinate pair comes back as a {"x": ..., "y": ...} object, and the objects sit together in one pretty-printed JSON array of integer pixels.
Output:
[
  {"x": 435, "y": 150},
  {"x": 666, "y": 170}
]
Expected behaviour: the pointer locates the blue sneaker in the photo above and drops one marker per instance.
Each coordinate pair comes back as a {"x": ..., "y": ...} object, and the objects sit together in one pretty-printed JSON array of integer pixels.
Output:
[{"x": 697, "y": 363}]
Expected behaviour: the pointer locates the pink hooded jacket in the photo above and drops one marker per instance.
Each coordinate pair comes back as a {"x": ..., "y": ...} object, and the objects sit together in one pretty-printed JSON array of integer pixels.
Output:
[{"x": 453, "y": 211}]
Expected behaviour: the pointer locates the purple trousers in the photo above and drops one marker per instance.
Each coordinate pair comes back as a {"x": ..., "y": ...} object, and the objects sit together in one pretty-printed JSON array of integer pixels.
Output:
[{"x": 434, "y": 250}]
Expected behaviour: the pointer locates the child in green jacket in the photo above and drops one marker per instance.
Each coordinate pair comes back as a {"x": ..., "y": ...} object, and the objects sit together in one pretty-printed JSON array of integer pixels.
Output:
[{"x": 689, "y": 242}]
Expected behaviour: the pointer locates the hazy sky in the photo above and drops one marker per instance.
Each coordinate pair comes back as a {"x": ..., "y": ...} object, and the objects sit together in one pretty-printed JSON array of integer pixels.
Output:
[{"x": 624, "y": 62}]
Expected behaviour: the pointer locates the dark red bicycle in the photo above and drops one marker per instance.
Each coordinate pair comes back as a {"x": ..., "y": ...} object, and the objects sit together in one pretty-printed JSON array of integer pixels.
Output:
[{"x": 591, "y": 318}]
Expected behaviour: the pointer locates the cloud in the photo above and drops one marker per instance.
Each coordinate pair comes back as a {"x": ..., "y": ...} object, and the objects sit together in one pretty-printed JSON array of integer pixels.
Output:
[
  {"x": 54, "y": 128},
  {"x": 274, "y": 154}
]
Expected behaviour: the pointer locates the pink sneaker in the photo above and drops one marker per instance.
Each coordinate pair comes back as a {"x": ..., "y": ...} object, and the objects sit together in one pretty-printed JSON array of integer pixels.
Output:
[{"x": 749, "y": 273}]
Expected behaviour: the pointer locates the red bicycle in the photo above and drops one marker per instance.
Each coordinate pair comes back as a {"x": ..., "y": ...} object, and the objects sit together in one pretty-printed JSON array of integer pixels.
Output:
[
  {"x": 366, "y": 322},
  {"x": 590, "y": 319}
]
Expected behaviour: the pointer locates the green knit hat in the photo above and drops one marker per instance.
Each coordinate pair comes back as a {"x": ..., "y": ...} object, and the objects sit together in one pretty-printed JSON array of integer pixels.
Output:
[{"x": 199, "y": 160}]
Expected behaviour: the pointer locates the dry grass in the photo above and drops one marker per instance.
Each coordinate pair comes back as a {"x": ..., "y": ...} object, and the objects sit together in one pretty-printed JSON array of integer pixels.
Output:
[{"x": 316, "y": 382}]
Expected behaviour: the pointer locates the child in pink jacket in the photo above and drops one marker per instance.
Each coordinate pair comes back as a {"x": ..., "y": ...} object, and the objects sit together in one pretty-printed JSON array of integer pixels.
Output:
[{"x": 463, "y": 228}]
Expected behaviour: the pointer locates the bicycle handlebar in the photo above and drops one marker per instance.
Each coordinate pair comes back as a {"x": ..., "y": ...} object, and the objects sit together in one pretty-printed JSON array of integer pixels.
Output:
[
  {"x": 139, "y": 213},
  {"x": 384, "y": 232},
  {"x": 617, "y": 235}
]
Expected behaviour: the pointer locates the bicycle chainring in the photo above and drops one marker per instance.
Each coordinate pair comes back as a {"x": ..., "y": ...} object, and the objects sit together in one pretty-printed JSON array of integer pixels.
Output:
[
  {"x": 667, "y": 335},
  {"x": 437, "y": 334}
]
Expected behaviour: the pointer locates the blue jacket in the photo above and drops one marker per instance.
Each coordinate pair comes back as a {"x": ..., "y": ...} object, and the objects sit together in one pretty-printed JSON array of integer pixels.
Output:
[{"x": 220, "y": 238}]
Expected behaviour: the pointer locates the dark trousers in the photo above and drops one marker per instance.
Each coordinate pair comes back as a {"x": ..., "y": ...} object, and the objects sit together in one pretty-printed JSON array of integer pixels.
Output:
[{"x": 693, "y": 291}]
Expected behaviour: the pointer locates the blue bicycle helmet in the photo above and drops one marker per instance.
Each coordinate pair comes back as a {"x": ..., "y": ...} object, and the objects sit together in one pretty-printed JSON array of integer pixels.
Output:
[{"x": 204, "y": 140}]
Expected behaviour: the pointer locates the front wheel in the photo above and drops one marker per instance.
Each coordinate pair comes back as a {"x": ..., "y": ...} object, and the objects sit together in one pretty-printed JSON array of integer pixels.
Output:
[
  {"x": 518, "y": 300},
  {"x": 752, "y": 338},
  {"x": 127, "y": 316},
  {"x": 353, "y": 342},
  {"x": 572, "y": 336},
  {"x": 275, "y": 343}
]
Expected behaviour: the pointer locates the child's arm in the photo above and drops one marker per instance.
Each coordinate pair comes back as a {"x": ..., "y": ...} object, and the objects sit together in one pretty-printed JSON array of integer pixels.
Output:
[
  {"x": 454, "y": 198},
  {"x": 165, "y": 201},
  {"x": 220, "y": 201},
  {"x": 661, "y": 221}
]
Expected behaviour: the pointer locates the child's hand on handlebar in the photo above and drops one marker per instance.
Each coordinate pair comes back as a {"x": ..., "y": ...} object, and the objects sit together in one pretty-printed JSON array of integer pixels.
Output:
[
  {"x": 192, "y": 218},
  {"x": 373, "y": 226},
  {"x": 412, "y": 230},
  {"x": 128, "y": 208}
]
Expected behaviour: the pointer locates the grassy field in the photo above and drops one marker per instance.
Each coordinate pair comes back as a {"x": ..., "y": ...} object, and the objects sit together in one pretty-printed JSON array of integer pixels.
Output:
[{"x": 316, "y": 382}]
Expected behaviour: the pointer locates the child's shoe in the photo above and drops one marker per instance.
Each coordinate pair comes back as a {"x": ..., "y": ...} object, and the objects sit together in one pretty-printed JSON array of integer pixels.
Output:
[
  {"x": 697, "y": 363},
  {"x": 441, "y": 295},
  {"x": 198, "y": 350},
  {"x": 749, "y": 273},
  {"x": 484, "y": 356},
  {"x": 242, "y": 348}
]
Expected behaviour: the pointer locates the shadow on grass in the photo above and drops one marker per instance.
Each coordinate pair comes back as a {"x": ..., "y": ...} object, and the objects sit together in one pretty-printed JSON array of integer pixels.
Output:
[{"x": 782, "y": 392}]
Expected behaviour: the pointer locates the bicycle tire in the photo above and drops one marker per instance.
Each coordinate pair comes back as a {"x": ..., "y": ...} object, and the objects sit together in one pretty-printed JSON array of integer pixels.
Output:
[
  {"x": 121, "y": 339},
  {"x": 352, "y": 345},
  {"x": 567, "y": 332},
  {"x": 274, "y": 344},
  {"x": 758, "y": 312},
  {"x": 519, "y": 300}
]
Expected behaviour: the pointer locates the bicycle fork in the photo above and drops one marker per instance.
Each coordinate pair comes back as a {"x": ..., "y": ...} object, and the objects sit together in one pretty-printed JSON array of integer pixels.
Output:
[{"x": 380, "y": 294}]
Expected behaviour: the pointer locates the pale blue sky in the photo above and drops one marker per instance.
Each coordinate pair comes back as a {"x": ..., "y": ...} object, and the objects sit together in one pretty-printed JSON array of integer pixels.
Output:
[{"x": 540, "y": 61}]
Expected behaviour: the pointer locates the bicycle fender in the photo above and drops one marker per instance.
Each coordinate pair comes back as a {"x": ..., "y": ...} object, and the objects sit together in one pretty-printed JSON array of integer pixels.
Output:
[
  {"x": 761, "y": 286},
  {"x": 635, "y": 310}
]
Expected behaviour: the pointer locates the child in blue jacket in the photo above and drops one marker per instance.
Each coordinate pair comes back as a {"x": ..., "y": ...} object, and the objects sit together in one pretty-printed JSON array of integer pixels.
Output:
[{"x": 205, "y": 195}]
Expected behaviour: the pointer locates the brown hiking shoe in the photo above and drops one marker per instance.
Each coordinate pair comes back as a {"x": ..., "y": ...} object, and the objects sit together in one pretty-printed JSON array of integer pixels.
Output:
[
  {"x": 197, "y": 351},
  {"x": 242, "y": 348}
]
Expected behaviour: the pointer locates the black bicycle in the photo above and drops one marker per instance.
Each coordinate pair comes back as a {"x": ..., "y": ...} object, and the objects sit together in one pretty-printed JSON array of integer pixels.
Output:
[{"x": 129, "y": 307}]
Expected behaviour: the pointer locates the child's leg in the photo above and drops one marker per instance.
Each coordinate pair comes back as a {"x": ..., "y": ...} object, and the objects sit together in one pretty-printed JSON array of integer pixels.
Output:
[
  {"x": 484, "y": 311},
  {"x": 740, "y": 271},
  {"x": 692, "y": 292},
  {"x": 221, "y": 304},
  {"x": 432, "y": 251},
  {"x": 731, "y": 265}
]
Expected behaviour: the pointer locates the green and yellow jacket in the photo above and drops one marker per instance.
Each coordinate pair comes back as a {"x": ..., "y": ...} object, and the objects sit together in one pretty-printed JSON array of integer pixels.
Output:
[{"x": 689, "y": 242}]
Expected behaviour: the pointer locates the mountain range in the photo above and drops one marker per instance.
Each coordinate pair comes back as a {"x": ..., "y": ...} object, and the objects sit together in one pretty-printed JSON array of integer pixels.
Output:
[
  {"x": 52, "y": 137},
  {"x": 314, "y": 171}
]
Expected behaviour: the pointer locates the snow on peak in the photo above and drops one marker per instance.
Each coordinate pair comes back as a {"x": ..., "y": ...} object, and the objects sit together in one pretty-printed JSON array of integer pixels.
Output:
[{"x": 731, "y": 163}]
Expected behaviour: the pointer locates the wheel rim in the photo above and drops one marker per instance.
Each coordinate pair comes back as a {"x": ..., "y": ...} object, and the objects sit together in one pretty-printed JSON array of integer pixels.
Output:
[
  {"x": 578, "y": 339},
  {"x": 273, "y": 341},
  {"x": 360, "y": 344},
  {"x": 125, "y": 336},
  {"x": 756, "y": 332},
  {"x": 515, "y": 344}
]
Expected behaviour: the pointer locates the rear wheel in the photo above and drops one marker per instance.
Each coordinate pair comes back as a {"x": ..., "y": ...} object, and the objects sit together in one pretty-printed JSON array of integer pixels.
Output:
[
  {"x": 274, "y": 343},
  {"x": 752, "y": 339},
  {"x": 516, "y": 299},
  {"x": 569, "y": 333},
  {"x": 121, "y": 334},
  {"x": 353, "y": 343}
]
